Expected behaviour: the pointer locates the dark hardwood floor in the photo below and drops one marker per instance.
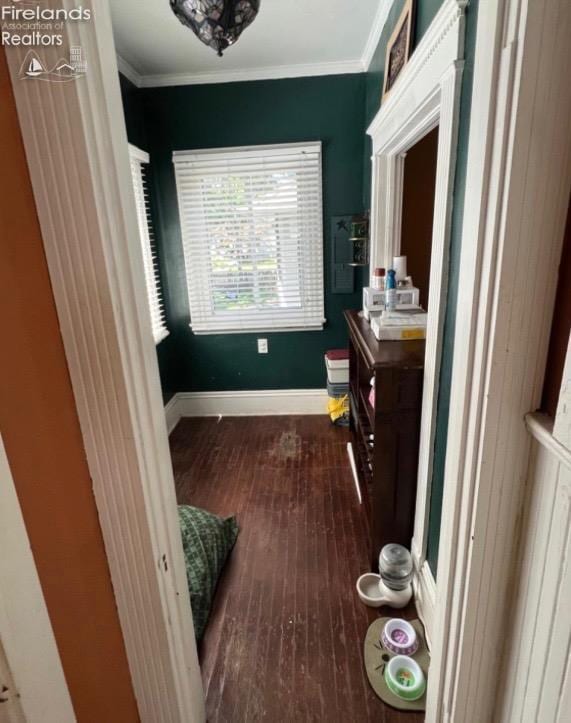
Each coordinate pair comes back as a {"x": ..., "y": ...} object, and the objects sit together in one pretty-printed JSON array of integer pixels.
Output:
[{"x": 285, "y": 638}]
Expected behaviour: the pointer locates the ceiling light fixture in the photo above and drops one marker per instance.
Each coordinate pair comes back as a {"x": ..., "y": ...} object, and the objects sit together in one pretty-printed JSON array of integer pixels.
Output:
[{"x": 217, "y": 23}]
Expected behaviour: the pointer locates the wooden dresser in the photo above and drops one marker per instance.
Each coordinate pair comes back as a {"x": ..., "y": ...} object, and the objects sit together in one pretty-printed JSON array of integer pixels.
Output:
[{"x": 386, "y": 437}]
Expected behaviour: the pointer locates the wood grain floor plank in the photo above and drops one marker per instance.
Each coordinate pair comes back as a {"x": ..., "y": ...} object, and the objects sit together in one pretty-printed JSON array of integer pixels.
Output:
[{"x": 284, "y": 642}]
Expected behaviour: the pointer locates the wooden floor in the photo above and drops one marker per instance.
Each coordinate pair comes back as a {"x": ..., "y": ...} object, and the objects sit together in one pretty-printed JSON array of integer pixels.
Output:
[{"x": 284, "y": 642}]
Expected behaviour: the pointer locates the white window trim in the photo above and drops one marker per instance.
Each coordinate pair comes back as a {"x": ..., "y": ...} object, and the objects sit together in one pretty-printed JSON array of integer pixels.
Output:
[
  {"x": 152, "y": 277},
  {"x": 207, "y": 326}
]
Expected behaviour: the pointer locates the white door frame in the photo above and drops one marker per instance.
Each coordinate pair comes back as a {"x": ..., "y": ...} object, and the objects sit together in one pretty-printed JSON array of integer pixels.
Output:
[
  {"x": 517, "y": 190},
  {"x": 77, "y": 151},
  {"x": 426, "y": 95},
  {"x": 40, "y": 693}
]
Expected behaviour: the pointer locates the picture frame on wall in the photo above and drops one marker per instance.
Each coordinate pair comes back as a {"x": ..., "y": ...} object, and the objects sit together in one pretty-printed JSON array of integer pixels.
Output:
[{"x": 399, "y": 46}]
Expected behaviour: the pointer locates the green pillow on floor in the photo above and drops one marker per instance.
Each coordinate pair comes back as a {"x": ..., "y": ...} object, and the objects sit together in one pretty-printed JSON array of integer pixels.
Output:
[{"x": 206, "y": 541}]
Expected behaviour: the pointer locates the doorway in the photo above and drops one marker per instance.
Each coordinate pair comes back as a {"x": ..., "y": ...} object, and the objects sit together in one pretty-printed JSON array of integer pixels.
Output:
[{"x": 419, "y": 187}]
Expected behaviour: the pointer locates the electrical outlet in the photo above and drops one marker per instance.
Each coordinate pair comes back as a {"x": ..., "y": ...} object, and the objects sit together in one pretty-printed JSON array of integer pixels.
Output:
[{"x": 262, "y": 346}]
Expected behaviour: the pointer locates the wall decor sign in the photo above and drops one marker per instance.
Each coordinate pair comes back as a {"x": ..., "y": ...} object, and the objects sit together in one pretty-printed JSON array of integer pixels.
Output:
[{"x": 398, "y": 46}]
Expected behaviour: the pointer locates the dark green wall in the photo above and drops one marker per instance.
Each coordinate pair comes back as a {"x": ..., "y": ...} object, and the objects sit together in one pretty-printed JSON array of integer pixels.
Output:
[
  {"x": 328, "y": 108},
  {"x": 134, "y": 115}
]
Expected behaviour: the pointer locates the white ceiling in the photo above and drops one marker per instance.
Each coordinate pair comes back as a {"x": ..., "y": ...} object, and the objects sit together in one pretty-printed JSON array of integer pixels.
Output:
[{"x": 288, "y": 38}]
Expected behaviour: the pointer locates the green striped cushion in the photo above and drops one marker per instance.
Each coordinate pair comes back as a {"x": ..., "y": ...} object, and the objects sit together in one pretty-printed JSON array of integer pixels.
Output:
[{"x": 206, "y": 541}]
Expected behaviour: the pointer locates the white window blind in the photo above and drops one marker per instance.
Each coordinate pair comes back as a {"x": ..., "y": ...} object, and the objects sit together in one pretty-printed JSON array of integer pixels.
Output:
[
  {"x": 252, "y": 230},
  {"x": 139, "y": 161}
]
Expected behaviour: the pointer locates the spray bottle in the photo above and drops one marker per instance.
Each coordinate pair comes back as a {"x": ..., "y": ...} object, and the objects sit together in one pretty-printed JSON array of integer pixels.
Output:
[{"x": 391, "y": 291}]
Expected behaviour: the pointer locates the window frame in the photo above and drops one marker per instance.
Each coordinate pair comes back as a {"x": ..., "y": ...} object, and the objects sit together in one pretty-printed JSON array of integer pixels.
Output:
[
  {"x": 311, "y": 314},
  {"x": 153, "y": 286}
]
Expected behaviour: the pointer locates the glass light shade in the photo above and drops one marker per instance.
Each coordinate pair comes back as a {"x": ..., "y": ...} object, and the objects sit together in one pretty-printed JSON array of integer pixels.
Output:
[{"x": 217, "y": 23}]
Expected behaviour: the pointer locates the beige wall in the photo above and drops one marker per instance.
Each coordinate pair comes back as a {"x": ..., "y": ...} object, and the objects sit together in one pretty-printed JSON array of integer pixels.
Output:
[{"x": 43, "y": 442}]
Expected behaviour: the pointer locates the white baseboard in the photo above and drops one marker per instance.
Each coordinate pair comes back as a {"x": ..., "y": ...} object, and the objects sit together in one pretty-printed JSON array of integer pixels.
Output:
[
  {"x": 262, "y": 402},
  {"x": 424, "y": 588},
  {"x": 172, "y": 415}
]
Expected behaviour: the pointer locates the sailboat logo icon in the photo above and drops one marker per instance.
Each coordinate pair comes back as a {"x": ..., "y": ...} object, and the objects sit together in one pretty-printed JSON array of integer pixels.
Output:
[{"x": 35, "y": 68}]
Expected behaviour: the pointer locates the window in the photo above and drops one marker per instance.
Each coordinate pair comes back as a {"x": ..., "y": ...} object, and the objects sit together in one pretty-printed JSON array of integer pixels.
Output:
[
  {"x": 252, "y": 230},
  {"x": 139, "y": 161}
]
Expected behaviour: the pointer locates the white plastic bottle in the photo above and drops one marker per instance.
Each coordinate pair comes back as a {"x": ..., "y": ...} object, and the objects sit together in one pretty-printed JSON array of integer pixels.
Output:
[{"x": 378, "y": 280}]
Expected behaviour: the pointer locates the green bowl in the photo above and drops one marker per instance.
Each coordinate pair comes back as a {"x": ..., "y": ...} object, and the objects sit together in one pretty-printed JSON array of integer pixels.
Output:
[{"x": 404, "y": 678}]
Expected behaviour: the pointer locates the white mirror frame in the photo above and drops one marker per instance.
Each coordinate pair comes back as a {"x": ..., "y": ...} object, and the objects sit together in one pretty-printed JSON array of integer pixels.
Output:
[{"x": 426, "y": 95}]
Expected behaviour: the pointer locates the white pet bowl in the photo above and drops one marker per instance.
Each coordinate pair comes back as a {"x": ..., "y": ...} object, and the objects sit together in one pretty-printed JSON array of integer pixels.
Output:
[
  {"x": 400, "y": 637},
  {"x": 368, "y": 590}
]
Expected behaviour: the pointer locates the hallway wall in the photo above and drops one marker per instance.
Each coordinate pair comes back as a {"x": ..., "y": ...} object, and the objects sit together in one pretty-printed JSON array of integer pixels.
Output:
[{"x": 45, "y": 450}]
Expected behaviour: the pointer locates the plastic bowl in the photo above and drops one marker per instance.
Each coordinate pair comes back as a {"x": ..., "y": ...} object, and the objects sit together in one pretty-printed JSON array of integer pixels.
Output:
[
  {"x": 405, "y": 678},
  {"x": 400, "y": 637},
  {"x": 368, "y": 590}
]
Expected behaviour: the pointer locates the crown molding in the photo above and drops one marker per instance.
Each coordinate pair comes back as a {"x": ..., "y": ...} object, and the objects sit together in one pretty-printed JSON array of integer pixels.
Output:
[
  {"x": 376, "y": 31},
  {"x": 269, "y": 73},
  {"x": 129, "y": 72}
]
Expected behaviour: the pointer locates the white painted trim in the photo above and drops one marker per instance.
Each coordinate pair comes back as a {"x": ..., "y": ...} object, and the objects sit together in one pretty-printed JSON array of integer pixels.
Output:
[
  {"x": 263, "y": 402},
  {"x": 517, "y": 190},
  {"x": 76, "y": 146},
  {"x": 540, "y": 427},
  {"x": 172, "y": 415},
  {"x": 424, "y": 588},
  {"x": 351, "y": 456},
  {"x": 26, "y": 634},
  {"x": 238, "y": 153},
  {"x": 138, "y": 154},
  {"x": 425, "y": 95},
  {"x": 129, "y": 72},
  {"x": 562, "y": 424},
  {"x": 381, "y": 16},
  {"x": 342, "y": 67}
]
